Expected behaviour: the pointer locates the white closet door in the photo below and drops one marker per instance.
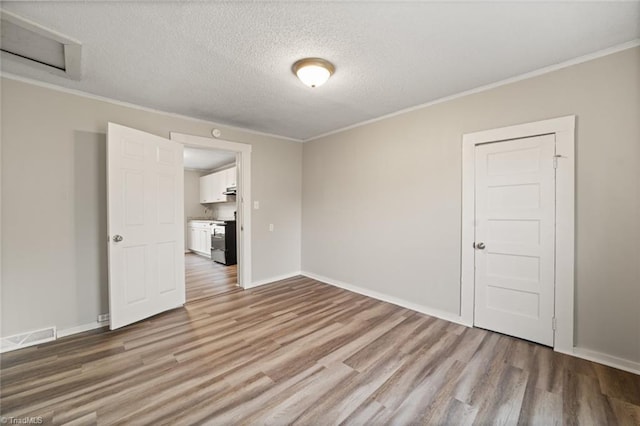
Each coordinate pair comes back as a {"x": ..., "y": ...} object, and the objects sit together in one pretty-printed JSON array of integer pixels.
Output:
[{"x": 515, "y": 237}]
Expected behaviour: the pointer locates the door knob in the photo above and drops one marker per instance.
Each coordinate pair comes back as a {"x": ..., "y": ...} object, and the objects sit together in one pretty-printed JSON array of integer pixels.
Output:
[
  {"x": 480, "y": 246},
  {"x": 117, "y": 238}
]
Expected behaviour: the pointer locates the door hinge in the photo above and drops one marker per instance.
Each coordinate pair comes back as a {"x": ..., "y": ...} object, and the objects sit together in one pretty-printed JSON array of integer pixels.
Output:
[{"x": 554, "y": 323}]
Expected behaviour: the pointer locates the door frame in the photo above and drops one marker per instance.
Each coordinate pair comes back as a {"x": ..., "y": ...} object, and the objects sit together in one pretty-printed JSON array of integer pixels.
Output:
[
  {"x": 243, "y": 160},
  {"x": 564, "y": 130}
]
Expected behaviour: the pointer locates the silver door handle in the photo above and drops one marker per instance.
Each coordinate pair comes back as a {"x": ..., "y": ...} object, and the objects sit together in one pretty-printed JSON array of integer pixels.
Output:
[
  {"x": 117, "y": 238},
  {"x": 480, "y": 246}
]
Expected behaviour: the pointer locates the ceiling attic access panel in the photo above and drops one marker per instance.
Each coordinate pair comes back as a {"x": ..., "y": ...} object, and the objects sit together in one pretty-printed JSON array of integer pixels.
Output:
[{"x": 32, "y": 44}]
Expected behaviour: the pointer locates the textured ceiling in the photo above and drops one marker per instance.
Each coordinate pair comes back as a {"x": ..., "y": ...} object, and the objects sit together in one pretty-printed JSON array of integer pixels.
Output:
[
  {"x": 206, "y": 159},
  {"x": 230, "y": 62}
]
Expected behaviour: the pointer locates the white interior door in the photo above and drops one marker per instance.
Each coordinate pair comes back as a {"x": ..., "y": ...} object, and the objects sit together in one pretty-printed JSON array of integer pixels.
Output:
[
  {"x": 146, "y": 226},
  {"x": 515, "y": 237}
]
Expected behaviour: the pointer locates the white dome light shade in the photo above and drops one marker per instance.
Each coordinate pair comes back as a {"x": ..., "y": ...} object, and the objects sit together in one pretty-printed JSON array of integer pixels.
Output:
[
  {"x": 313, "y": 72},
  {"x": 313, "y": 75}
]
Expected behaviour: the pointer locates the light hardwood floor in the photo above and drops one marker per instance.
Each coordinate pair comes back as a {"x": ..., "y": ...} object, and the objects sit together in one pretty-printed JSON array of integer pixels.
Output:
[
  {"x": 299, "y": 351},
  {"x": 206, "y": 278}
]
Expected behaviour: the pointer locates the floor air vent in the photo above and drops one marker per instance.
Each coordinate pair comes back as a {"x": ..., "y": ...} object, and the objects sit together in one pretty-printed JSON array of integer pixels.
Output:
[
  {"x": 32, "y": 44},
  {"x": 28, "y": 339}
]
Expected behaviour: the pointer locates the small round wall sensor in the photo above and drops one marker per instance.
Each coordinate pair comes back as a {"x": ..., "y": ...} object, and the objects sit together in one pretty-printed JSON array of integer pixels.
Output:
[{"x": 216, "y": 133}]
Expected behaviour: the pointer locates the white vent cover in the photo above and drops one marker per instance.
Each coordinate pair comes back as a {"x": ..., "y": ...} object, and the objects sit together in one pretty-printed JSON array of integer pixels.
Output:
[
  {"x": 28, "y": 339},
  {"x": 27, "y": 42}
]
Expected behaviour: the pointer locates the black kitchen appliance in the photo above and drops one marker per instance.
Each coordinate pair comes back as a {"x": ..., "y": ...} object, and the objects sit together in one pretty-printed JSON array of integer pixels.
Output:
[{"x": 223, "y": 242}]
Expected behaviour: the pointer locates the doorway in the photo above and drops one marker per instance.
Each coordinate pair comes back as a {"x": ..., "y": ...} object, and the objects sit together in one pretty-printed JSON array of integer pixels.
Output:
[
  {"x": 242, "y": 154},
  {"x": 518, "y": 231},
  {"x": 210, "y": 210}
]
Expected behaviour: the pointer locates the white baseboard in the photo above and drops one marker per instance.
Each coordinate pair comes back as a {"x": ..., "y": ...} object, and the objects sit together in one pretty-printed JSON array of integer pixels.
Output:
[
  {"x": 82, "y": 328},
  {"x": 273, "y": 279},
  {"x": 447, "y": 316},
  {"x": 605, "y": 359}
]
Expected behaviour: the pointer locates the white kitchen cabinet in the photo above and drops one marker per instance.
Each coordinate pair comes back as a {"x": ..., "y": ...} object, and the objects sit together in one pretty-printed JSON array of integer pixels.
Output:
[
  {"x": 192, "y": 238},
  {"x": 232, "y": 178},
  {"x": 207, "y": 242},
  {"x": 199, "y": 240},
  {"x": 207, "y": 188},
  {"x": 219, "y": 186},
  {"x": 213, "y": 185}
]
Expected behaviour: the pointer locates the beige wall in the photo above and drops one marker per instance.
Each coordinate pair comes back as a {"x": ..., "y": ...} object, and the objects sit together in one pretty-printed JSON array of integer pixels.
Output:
[
  {"x": 382, "y": 202},
  {"x": 192, "y": 206},
  {"x": 54, "y": 195},
  {"x": 223, "y": 210}
]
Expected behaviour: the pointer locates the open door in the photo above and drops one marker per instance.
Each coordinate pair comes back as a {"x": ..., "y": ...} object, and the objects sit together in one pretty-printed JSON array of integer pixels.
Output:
[{"x": 145, "y": 224}]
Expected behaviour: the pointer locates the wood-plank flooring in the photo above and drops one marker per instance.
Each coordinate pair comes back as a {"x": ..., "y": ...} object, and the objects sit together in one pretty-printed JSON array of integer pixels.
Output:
[
  {"x": 302, "y": 352},
  {"x": 205, "y": 278}
]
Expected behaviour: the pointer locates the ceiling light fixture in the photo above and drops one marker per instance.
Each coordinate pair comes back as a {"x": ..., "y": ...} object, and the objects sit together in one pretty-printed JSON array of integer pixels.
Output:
[{"x": 313, "y": 72}]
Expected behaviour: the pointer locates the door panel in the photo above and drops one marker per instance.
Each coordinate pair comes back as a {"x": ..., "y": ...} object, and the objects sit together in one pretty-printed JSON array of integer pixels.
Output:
[
  {"x": 135, "y": 283},
  {"x": 514, "y": 231},
  {"x": 167, "y": 277},
  {"x": 133, "y": 187},
  {"x": 515, "y": 219},
  {"x": 167, "y": 202},
  {"x": 145, "y": 189},
  {"x": 515, "y": 302},
  {"x": 515, "y": 196}
]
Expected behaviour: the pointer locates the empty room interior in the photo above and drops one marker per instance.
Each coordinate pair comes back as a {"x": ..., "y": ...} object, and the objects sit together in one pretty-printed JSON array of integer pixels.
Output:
[{"x": 320, "y": 213}]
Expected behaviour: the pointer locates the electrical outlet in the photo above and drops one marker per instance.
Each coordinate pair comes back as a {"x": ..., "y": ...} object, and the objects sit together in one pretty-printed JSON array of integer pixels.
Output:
[{"x": 103, "y": 317}]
